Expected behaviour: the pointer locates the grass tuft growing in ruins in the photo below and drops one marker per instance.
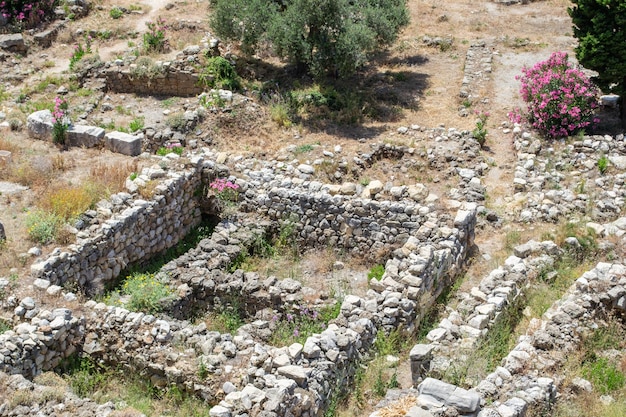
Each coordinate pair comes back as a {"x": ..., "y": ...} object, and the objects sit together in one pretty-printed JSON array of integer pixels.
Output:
[
  {"x": 129, "y": 391},
  {"x": 141, "y": 292},
  {"x": 302, "y": 322}
]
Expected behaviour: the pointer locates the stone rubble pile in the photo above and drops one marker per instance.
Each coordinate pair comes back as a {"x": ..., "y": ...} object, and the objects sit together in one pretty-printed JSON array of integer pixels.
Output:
[
  {"x": 476, "y": 73},
  {"x": 518, "y": 387},
  {"x": 41, "y": 341},
  {"x": 49, "y": 396},
  {"x": 566, "y": 180}
]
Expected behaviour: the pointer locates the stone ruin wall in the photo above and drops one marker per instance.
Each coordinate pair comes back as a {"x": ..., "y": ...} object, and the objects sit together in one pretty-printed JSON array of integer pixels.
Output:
[
  {"x": 141, "y": 230},
  {"x": 427, "y": 248},
  {"x": 174, "y": 82}
]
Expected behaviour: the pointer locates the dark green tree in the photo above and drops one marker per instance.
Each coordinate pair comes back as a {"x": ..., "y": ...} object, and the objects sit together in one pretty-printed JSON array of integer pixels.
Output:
[
  {"x": 600, "y": 27},
  {"x": 320, "y": 36}
]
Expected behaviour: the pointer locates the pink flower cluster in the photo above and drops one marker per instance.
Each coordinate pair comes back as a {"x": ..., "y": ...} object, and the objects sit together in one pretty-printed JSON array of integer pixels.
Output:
[
  {"x": 26, "y": 14},
  {"x": 225, "y": 191},
  {"x": 222, "y": 184},
  {"x": 561, "y": 99},
  {"x": 59, "y": 114}
]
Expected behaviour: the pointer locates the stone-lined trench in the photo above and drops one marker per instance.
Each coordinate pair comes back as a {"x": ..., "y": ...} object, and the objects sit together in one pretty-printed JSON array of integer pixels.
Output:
[{"x": 425, "y": 250}]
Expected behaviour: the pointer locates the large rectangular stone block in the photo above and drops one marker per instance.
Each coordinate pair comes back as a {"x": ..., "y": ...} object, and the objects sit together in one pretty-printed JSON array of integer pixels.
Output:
[
  {"x": 123, "y": 143},
  {"x": 39, "y": 124},
  {"x": 85, "y": 136}
]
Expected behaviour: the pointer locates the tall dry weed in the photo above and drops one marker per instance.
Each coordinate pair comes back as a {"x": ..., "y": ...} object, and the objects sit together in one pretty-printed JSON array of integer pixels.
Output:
[{"x": 111, "y": 178}]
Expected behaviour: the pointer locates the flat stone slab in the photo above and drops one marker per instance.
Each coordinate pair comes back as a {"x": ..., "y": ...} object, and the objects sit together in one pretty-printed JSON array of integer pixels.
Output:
[
  {"x": 297, "y": 373},
  {"x": 11, "y": 188},
  {"x": 123, "y": 143},
  {"x": 85, "y": 136}
]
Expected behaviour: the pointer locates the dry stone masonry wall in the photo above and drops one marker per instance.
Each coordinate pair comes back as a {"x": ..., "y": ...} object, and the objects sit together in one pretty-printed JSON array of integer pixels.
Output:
[
  {"x": 136, "y": 231},
  {"x": 41, "y": 344},
  {"x": 517, "y": 388},
  {"x": 424, "y": 248},
  {"x": 177, "y": 78}
]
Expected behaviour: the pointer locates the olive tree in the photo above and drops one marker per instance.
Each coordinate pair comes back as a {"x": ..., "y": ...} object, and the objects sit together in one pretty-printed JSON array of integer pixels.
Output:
[{"x": 320, "y": 36}]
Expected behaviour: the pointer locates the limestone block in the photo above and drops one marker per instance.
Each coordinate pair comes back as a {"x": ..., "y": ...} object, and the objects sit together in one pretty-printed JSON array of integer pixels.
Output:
[
  {"x": 85, "y": 136},
  {"x": 39, "y": 124},
  {"x": 464, "y": 401},
  {"x": 420, "y": 355},
  {"x": 123, "y": 143},
  {"x": 435, "y": 388},
  {"x": 13, "y": 42}
]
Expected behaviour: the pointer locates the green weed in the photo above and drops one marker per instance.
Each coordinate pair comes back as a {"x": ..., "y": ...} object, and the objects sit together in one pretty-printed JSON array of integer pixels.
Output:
[
  {"x": 42, "y": 226},
  {"x": 377, "y": 272},
  {"x": 603, "y": 164},
  {"x": 145, "y": 293},
  {"x": 302, "y": 322}
]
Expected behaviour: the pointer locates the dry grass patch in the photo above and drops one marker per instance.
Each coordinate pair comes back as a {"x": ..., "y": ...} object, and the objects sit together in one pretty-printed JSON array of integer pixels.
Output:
[
  {"x": 112, "y": 177},
  {"x": 68, "y": 201},
  {"x": 399, "y": 408}
]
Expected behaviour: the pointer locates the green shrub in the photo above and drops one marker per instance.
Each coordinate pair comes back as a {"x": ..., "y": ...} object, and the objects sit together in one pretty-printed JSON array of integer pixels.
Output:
[
  {"x": 84, "y": 375},
  {"x": 145, "y": 293},
  {"x": 155, "y": 40},
  {"x": 136, "y": 124},
  {"x": 164, "y": 150},
  {"x": 43, "y": 226},
  {"x": 603, "y": 164},
  {"x": 219, "y": 73},
  {"x": 116, "y": 13},
  {"x": 279, "y": 113},
  {"x": 332, "y": 37},
  {"x": 480, "y": 131}
]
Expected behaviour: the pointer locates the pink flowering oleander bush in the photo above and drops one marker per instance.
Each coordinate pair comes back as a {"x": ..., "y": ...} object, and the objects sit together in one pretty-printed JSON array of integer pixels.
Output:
[
  {"x": 25, "y": 14},
  {"x": 60, "y": 121},
  {"x": 154, "y": 40},
  {"x": 225, "y": 190},
  {"x": 561, "y": 99},
  {"x": 80, "y": 52}
]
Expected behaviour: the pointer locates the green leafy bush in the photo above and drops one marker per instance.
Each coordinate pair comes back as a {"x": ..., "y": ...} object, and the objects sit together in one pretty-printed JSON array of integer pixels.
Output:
[
  {"x": 480, "y": 131},
  {"x": 84, "y": 375},
  {"x": 155, "y": 40},
  {"x": 321, "y": 37},
  {"x": 164, "y": 150},
  {"x": 219, "y": 73},
  {"x": 603, "y": 164},
  {"x": 116, "y": 13}
]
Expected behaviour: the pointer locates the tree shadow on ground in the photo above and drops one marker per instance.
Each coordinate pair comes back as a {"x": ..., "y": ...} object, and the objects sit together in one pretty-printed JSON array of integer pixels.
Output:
[
  {"x": 354, "y": 107},
  {"x": 609, "y": 122}
]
